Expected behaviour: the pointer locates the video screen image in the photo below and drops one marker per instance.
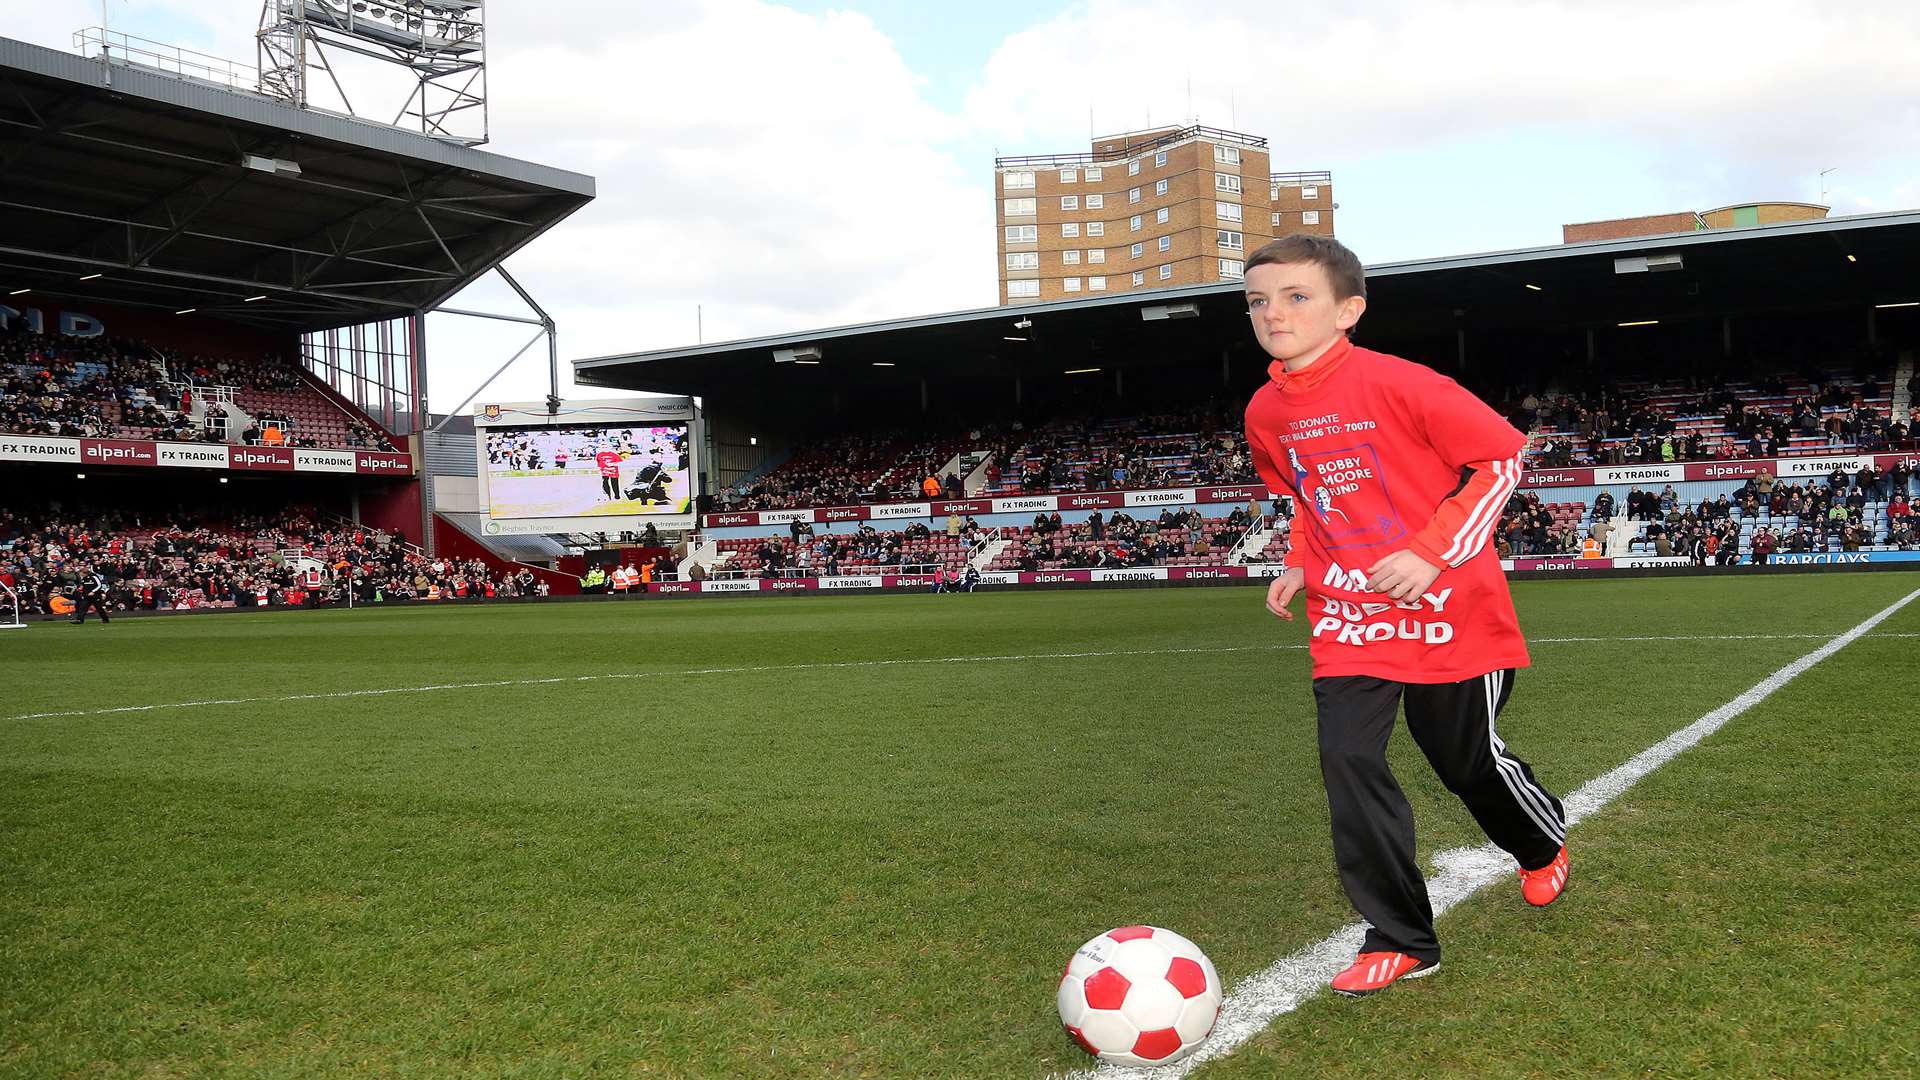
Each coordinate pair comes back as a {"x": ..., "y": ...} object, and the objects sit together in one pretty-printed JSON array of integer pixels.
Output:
[{"x": 612, "y": 471}]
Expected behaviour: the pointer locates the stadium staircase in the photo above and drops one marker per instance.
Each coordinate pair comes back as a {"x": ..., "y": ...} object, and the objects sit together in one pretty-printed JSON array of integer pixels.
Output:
[
  {"x": 987, "y": 550},
  {"x": 973, "y": 478},
  {"x": 1253, "y": 542},
  {"x": 1902, "y": 401},
  {"x": 703, "y": 551},
  {"x": 1620, "y": 539}
]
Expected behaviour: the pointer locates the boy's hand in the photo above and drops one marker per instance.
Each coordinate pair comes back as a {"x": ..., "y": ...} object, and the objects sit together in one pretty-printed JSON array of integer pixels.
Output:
[
  {"x": 1402, "y": 575},
  {"x": 1280, "y": 593}
]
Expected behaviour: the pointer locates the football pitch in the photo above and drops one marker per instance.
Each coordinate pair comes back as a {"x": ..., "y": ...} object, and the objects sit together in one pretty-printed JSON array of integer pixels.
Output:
[{"x": 861, "y": 836}]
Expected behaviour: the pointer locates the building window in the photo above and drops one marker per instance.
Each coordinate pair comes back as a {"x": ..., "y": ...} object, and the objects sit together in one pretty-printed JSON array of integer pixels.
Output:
[
  {"x": 1017, "y": 180},
  {"x": 1226, "y": 211},
  {"x": 1309, "y": 217},
  {"x": 1273, "y": 193},
  {"x": 1225, "y": 182},
  {"x": 1160, "y": 188},
  {"x": 1095, "y": 202},
  {"x": 1070, "y": 229},
  {"x": 1097, "y": 255},
  {"x": 1023, "y": 234},
  {"x": 1227, "y": 238},
  {"x": 1027, "y": 287},
  {"x": 1069, "y": 258},
  {"x": 1093, "y": 173},
  {"x": 1166, "y": 271},
  {"x": 1232, "y": 269},
  {"x": 1133, "y": 195},
  {"x": 1022, "y": 207},
  {"x": 1310, "y": 191},
  {"x": 1023, "y": 260},
  {"x": 1166, "y": 242},
  {"x": 1096, "y": 228},
  {"x": 1071, "y": 284},
  {"x": 1139, "y": 277},
  {"x": 1134, "y": 221},
  {"x": 1227, "y": 155},
  {"x": 1160, "y": 217},
  {"x": 1276, "y": 217},
  {"x": 1134, "y": 251},
  {"x": 1069, "y": 202},
  {"x": 1160, "y": 160},
  {"x": 1133, "y": 168},
  {"x": 1069, "y": 176},
  {"x": 1096, "y": 284}
]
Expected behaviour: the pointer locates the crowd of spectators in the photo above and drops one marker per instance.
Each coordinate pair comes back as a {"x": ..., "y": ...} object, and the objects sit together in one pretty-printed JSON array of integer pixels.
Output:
[
  {"x": 1839, "y": 514},
  {"x": 1529, "y": 527},
  {"x": 182, "y": 561},
  {"x": 74, "y": 386},
  {"x": 1200, "y": 445},
  {"x": 1197, "y": 445},
  {"x": 1618, "y": 424},
  {"x": 1121, "y": 540},
  {"x": 847, "y": 470},
  {"x": 1611, "y": 423},
  {"x": 106, "y": 387}
]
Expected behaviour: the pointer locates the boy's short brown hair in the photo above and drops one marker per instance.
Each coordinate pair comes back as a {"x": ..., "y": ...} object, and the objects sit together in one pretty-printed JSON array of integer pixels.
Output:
[{"x": 1342, "y": 266}]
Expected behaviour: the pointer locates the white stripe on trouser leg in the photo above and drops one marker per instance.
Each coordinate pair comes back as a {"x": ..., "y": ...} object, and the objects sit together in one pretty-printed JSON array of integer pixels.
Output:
[
  {"x": 1540, "y": 797},
  {"x": 1528, "y": 791},
  {"x": 1509, "y": 774}
]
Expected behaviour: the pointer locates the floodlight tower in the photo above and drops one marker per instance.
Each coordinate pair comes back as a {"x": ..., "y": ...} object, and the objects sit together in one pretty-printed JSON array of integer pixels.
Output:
[{"x": 441, "y": 44}]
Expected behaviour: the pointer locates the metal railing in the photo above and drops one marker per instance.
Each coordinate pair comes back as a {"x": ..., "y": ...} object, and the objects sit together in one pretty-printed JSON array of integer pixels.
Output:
[
  {"x": 14, "y": 599},
  {"x": 981, "y": 541},
  {"x": 104, "y": 44},
  {"x": 1289, "y": 179},
  {"x": 1239, "y": 549},
  {"x": 1197, "y": 131}
]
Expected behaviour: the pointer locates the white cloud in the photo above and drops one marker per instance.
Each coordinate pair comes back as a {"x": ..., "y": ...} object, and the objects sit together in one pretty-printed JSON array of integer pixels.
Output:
[
  {"x": 782, "y": 170},
  {"x": 1678, "y": 103},
  {"x": 1754, "y": 77},
  {"x": 786, "y": 171}
]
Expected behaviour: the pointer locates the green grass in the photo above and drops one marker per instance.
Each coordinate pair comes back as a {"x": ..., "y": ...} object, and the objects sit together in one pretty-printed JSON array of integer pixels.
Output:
[{"x": 878, "y": 870}]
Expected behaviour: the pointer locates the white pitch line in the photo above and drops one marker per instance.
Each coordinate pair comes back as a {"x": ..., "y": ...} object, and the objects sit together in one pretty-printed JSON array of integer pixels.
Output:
[
  {"x": 332, "y": 695},
  {"x": 1264, "y": 996}
]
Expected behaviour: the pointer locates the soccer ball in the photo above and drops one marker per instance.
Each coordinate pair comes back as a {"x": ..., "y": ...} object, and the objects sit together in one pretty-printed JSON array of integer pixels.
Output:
[{"x": 1139, "y": 995}]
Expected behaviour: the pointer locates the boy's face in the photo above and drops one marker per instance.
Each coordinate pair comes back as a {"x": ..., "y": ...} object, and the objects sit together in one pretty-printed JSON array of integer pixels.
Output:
[{"x": 1295, "y": 314}]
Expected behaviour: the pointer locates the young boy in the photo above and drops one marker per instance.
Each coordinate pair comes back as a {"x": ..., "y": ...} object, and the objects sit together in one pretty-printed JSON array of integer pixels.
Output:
[{"x": 1399, "y": 478}]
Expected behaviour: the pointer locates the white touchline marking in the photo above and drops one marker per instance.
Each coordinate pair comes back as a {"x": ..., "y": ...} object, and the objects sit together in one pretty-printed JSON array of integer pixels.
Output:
[
  {"x": 331, "y": 695},
  {"x": 1265, "y": 995}
]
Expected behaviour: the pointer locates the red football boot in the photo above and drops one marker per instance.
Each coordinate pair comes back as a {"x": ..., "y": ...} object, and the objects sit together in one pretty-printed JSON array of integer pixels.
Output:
[
  {"x": 1373, "y": 972},
  {"x": 1543, "y": 886}
]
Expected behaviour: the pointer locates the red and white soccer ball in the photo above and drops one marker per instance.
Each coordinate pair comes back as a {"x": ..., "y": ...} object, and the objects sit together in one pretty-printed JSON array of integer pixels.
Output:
[{"x": 1139, "y": 995}]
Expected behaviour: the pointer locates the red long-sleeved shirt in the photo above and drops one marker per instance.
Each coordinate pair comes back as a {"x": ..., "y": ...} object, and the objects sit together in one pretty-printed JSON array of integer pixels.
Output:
[{"x": 1384, "y": 455}]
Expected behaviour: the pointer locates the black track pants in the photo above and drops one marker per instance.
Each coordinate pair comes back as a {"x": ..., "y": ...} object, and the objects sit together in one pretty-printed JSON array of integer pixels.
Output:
[{"x": 1372, "y": 823}]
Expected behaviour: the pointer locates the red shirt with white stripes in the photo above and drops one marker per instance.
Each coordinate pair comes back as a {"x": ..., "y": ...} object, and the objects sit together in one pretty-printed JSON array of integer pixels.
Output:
[{"x": 1384, "y": 455}]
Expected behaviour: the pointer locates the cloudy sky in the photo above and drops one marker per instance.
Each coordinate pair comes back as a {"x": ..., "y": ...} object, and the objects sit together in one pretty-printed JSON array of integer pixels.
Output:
[{"x": 760, "y": 162}]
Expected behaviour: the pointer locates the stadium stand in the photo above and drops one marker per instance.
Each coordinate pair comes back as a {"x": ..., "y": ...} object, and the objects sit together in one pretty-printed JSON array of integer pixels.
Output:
[
  {"x": 116, "y": 388},
  {"x": 232, "y": 559},
  {"x": 1630, "y": 422},
  {"x": 1174, "y": 538},
  {"x": 1642, "y": 422}
]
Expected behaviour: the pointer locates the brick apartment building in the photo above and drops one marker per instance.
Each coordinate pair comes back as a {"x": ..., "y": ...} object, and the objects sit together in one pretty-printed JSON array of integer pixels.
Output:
[
  {"x": 1146, "y": 210},
  {"x": 1727, "y": 217}
]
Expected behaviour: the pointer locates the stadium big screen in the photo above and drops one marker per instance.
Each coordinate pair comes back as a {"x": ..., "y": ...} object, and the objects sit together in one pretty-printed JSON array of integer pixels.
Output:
[{"x": 595, "y": 466}]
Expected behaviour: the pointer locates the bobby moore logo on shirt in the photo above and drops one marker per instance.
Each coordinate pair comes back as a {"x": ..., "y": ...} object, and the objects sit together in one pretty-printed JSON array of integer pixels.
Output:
[{"x": 1349, "y": 497}]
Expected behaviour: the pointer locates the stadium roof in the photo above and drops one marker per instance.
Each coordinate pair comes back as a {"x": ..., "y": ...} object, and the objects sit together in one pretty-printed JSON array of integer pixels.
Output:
[
  {"x": 183, "y": 193},
  {"x": 1793, "y": 266}
]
